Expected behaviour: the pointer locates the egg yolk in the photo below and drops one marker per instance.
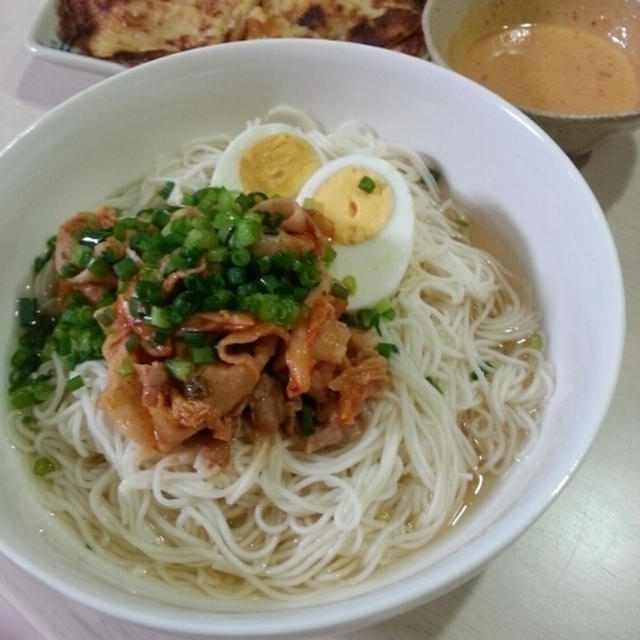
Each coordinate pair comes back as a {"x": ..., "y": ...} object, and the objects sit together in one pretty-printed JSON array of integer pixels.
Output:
[
  {"x": 278, "y": 165},
  {"x": 356, "y": 214}
]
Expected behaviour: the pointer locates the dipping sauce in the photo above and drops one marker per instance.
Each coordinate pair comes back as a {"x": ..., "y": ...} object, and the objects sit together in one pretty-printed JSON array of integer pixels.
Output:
[
  {"x": 553, "y": 56},
  {"x": 554, "y": 68}
]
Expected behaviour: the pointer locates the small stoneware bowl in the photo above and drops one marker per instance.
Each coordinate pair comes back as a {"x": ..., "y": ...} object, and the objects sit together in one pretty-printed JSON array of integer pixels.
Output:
[{"x": 451, "y": 27}]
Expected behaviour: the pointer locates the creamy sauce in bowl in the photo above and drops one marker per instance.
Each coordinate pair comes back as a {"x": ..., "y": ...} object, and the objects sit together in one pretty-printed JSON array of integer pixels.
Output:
[
  {"x": 554, "y": 68},
  {"x": 558, "y": 57}
]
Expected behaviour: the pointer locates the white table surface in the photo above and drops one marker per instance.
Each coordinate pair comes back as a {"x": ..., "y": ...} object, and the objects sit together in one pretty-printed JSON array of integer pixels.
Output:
[{"x": 574, "y": 574}]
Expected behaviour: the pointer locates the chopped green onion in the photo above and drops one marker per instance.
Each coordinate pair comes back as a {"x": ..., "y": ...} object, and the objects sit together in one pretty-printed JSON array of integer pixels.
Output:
[
  {"x": 364, "y": 319},
  {"x": 42, "y": 466},
  {"x": 433, "y": 383},
  {"x": 366, "y": 184},
  {"x": 247, "y": 233},
  {"x": 42, "y": 259},
  {"x": 105, "y": 317},
  {"x": 219, "y": 254},
  {"x": 120, "y": 230},
  {"x": 165, "y": 192},
  {"x": 240, "y": 257},
  {"x": 305, "y": 420},
  {"x": 159, "y": 336},
  {"x": 309, "y": 277},
  {"x": 132, "y": 342},
  {"x": 383, "y": 307},
  {"x": 69, "y": 270},
  {"x": 195, "y": 338},
  {"x": 329, "y": 254},
  {"x": 137, "y": 309},
  {"x": 21, "y": 398},
  {"x": 81, "y": 255},
  {"x": 235, "y": 275},
  {"x": 190, "y": 256},
  {"x": 75, "y": 383},
  {"x": 125, "y": 269},
  {"x": 461, "y": 222},
  {"x": 269, "y": 283},
  {"x": 98, "y": 267},
  {"x": 77, "y": 336},
  {"x": 263, "y": 264},
  {"x": 160, "y": 218},
  {"x": 159, "y": 318},
  {"x": 27, "y": 311},
  {"x": 149, "y": 291},
  {"x": 283, "y": 260},
  {"x": 106, "y": 299},
  {"x": 534, "y": 341},
  {"x": 350, "y": 283},
  {"x": 110, "y": 255},
  {"x": 219, "y": 299},
  {"x": 203, "y": 354},
  {"x": 338, "y": 289},
  {"x": 246, "y": 289},
  {"x": 226, "y": 200},
  {"x": 181, "y": 369},
  {"x": 201, "y": 239},
  {"x": 484, "y": 368},
  {"x": 386, "y": 349}
]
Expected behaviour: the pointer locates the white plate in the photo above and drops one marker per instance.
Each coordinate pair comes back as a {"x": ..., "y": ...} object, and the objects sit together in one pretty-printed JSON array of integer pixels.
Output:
[{"x": 42, "y": 39}]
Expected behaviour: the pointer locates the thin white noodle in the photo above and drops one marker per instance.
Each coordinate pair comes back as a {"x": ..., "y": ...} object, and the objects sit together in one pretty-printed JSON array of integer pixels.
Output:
[{"x": 280, "y": 523}]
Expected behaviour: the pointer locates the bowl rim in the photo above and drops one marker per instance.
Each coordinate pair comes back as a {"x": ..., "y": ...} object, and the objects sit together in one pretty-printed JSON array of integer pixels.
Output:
[
  {"x": 365, "y": 608},
  {"x": 437, "y": 57}
]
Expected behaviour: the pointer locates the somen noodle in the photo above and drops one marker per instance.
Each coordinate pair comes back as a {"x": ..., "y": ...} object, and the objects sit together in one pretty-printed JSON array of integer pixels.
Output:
[{"x": 466, "y": 387}]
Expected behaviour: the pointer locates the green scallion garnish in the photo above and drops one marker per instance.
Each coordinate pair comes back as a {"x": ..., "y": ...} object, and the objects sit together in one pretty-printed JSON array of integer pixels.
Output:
[
  {"x": 202, "y": 354},
  {"x": 75, "y": 383},
  {"x": 339, "y": 290},
  {"x": 125, "y": 268},
  {"x": 42, "y": 466},
  {"x": 433, "y": 383},
  {"x": 305, "y": 421},
  {"x": 166, "y": 190},
  {"x": 27, "y": 311},
  {"x": 386, "y": 349},
  {"x": 366, "y": 184},
  {"x": 180, "y": 369}
]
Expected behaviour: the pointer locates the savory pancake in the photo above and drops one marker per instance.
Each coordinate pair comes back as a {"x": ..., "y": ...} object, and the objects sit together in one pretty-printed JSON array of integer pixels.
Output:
[
  {"x": 393, "y": 24},
  {"x": 132, "y": 31}
]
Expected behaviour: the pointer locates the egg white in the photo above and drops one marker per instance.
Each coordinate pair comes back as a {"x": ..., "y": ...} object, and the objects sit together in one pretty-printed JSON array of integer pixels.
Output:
[
  {"x": 227, "y": 170},
  {"x": 379, "y": 263}
]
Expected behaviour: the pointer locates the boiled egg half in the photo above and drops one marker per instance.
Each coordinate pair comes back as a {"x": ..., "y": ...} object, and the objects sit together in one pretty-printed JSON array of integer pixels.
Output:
[
  {"x": 274, "y": 158},
  {"x": 371, "y": 208}
]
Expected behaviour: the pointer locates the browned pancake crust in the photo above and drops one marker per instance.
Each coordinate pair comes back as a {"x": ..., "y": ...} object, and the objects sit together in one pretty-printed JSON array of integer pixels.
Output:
[
  {"x": 383, "y": 23},
  {"x": 132, "y": 31}
]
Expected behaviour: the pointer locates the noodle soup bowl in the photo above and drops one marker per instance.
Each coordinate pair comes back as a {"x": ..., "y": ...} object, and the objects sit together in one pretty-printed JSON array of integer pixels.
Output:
[
  {"x": 452, "y": 27},
  {"x": 501, "y": 168}
]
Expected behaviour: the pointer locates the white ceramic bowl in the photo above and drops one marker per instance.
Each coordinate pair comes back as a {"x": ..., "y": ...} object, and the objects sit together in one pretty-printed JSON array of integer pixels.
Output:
[{"x": 495, "y": 159}]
